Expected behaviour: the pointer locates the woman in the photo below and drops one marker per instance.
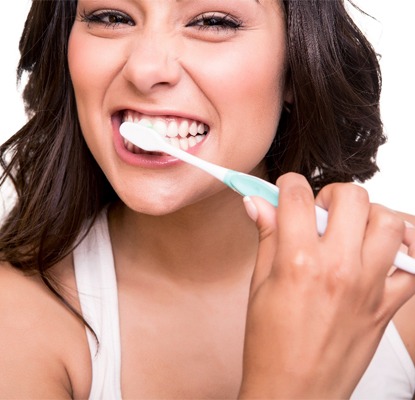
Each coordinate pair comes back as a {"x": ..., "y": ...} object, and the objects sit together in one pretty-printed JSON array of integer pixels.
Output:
[{"x": 183, "y": 296}]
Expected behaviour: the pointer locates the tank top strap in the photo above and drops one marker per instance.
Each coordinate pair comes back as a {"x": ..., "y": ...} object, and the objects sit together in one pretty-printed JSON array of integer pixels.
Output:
[
  {"x": 97, "y": 288},
  {"x": 391, "y": 373}
]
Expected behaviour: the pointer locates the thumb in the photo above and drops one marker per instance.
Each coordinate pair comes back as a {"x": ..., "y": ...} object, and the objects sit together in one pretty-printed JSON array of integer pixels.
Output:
[{"x": 264, "y": 215}]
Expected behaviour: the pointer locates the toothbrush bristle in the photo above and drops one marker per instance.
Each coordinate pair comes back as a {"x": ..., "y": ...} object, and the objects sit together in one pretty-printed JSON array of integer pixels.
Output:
[{"x": 143, "y": 137}]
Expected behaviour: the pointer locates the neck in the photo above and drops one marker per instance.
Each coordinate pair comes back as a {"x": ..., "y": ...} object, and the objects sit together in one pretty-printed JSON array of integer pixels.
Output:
[{"x": 213, "y": 241}]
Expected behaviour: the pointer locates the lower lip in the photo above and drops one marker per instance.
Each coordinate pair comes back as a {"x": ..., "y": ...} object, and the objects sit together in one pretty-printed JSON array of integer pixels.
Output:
[{"x": 143, "y": 160}]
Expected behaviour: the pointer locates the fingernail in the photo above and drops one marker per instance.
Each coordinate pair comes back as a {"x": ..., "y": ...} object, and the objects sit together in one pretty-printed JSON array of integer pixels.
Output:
[
  {"x": 409, "y": 225},
  {"x": 250, "y": 208}
]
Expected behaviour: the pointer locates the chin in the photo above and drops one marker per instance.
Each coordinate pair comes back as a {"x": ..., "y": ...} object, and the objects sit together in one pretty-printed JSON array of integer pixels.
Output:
[{"x": 155, "y": 205}]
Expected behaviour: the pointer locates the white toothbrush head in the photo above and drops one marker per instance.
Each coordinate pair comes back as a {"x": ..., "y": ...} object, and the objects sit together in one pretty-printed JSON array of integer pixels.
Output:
[{"x": 143, "y": 137}]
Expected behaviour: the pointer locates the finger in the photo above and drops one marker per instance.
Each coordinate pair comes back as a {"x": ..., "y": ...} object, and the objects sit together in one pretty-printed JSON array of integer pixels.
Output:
[
  {"x": 384, "y": 235},
  {"x": 348, "y": 209},
  {"x": 409, "y": 238},
  {"x": 401, "y": 285},
  {"x": 399, "y": 288},
  {"x": 296, "y": 212},
  {"x": 264, "y": 214}
]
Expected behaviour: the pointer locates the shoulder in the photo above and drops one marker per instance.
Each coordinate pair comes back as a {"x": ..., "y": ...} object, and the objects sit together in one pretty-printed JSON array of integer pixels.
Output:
[
  {"x": 405, "y": 317},
  {"x": 39, "y": 339}
]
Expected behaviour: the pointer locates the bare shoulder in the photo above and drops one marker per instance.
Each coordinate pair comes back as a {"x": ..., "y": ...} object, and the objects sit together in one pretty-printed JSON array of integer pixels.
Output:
[
  {"x": 405, "y": 317},
  {"x": 42, "y": 345}
]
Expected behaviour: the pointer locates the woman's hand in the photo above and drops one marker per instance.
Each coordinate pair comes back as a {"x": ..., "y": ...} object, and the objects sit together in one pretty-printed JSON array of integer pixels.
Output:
[{"x": 319, "y": 305}]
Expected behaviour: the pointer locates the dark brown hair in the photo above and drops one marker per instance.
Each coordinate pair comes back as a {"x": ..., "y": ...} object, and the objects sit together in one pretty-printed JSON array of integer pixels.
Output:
[
  {"x": 332, "y": 132},
  {"x": 334, "y": 128}
]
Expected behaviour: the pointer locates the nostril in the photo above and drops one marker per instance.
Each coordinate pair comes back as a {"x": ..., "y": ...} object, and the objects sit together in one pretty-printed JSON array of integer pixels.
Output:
[{"x": 149, "y": 67}]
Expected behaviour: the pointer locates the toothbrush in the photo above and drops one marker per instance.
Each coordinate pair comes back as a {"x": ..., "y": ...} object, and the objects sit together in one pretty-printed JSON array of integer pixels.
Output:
[{"x": 148, "y": 139}]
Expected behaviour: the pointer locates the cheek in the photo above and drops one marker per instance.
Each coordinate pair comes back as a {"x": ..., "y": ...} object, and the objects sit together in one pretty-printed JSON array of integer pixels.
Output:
[
  {"x": 80, "y": 59},
  {"x": 90, "y": 72},
  {"x": 246, "y": 86},
  {"x": 247, "y": 77},
  {"x": 92, "y": 63}
]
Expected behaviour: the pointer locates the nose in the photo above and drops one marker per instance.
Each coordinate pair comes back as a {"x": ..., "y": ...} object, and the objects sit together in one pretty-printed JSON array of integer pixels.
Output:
[{"x": 153, "y": 62}]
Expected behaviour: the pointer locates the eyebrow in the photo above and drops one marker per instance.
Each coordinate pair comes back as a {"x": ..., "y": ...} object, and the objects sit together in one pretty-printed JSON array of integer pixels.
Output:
[
  {"x": 256, "y": 1},
  {"x": 259, "y": 2}
]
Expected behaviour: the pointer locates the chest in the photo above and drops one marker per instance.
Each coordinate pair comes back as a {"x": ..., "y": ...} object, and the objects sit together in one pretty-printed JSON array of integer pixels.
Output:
[{"x": 178, "y": 344}]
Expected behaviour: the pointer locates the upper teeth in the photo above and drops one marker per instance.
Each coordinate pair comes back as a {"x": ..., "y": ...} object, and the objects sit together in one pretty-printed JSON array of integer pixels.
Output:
[{"x": 172, "y": 128}]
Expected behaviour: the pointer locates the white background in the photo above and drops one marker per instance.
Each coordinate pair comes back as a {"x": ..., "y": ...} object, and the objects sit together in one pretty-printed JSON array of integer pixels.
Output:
[{"x": 392, "y": 34}]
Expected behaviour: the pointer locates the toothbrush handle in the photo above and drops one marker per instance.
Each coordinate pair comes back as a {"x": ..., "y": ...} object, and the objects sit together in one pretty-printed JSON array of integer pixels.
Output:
[{"x": 248, "y": 185}]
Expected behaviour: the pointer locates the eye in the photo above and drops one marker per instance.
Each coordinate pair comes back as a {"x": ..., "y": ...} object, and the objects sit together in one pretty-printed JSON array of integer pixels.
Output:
[
  {"x": 107, "y": 18},
  {"x": 215, "y": 21}
]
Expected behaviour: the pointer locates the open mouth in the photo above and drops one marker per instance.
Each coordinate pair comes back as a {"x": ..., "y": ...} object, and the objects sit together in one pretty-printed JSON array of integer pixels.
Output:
[{"x": 180, "y": 132}]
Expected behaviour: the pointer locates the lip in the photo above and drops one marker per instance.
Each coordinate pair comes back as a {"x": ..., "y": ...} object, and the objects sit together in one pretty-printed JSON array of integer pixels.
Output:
[{"x": 148, "y": 160}]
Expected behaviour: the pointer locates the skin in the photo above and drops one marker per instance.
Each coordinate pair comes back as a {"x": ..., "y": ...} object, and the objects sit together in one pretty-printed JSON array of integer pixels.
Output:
[
  {"x": 352, "y": 281},
  {"x": 159, "y": 67},
  {"x": 239, "y": 286}
]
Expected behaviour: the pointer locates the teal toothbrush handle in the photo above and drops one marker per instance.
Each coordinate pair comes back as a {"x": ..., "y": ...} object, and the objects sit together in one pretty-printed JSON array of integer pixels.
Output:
[{"x": 248, "y": 185}]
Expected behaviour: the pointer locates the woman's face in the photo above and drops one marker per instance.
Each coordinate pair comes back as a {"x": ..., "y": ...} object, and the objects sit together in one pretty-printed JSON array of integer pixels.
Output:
[{"x": 210, "y": 74}]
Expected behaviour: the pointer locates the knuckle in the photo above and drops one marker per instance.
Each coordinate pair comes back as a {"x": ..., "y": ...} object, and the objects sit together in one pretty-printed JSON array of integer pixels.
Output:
[
  {"x": 296, "y": 194},
  {"x": 290, "y": 179},
  {"x": 388, "y": 220},
  {"x": 299, "y": 194},
  {"x": 304, "y": 263},
  {"x": 352, "y": 192},
  {"x": 334, "y": 275},
  {"x": 266, "y": 232},
  {"x": 346, "y": 274},
  {"x": 358, "y": 194},
  {"x": 302, "y": 259},
  {"x": 345, "y": 193},
  {"x": 294, "y": 188}
]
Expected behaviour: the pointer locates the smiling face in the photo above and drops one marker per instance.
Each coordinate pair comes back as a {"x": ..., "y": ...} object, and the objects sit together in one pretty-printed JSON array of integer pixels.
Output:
[{"x": 209, "y": 74}]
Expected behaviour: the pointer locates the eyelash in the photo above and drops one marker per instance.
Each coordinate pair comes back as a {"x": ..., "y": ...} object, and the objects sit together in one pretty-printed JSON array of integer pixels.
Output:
[
  {"x": 216, "y": 22},
  {"x": 100, "y": 16},
  {"x": 203, "y": 22}
]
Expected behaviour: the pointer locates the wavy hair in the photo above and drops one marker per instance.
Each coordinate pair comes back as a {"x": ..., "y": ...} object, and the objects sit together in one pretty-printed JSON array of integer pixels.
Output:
[{"x": 331, "y": 132}]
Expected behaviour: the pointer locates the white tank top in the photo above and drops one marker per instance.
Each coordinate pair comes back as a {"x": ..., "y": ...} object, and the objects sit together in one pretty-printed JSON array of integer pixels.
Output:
[{"x": 390, "y": 375}]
